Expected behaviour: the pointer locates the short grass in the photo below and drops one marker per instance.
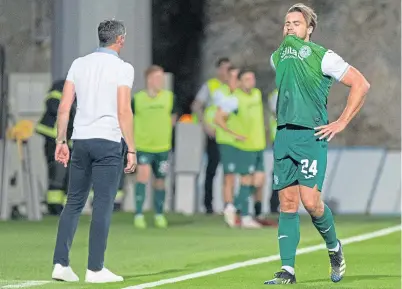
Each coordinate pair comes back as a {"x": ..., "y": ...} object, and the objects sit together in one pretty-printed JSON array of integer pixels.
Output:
[{"x": 197, "y": 243}]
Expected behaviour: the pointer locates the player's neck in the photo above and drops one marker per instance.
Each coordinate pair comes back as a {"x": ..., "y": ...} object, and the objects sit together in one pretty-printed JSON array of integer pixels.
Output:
[
  {"x": 115, "y": 48},
  {"x": 247, "y": 91},
  {"x": 221, "y": 79},
  {"x": 152, "y": 92}
]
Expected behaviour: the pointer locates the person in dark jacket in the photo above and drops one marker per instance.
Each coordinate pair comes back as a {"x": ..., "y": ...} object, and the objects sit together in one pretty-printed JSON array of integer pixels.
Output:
[{"x": 57, "y": 173}]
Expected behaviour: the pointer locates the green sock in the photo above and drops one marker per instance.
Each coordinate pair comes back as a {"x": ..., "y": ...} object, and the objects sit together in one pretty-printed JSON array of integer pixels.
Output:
[
  {"x": 242, "y": 199},
  {"x": 159, "y": 201},
  {"x": 139, "y": 197},
  {"x": 289, "y": 237},
  {"x": 326, "y": 227}
]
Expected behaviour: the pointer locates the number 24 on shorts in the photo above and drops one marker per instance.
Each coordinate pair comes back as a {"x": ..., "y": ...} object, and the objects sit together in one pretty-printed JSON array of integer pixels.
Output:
[{"x": 309, "y": 170}]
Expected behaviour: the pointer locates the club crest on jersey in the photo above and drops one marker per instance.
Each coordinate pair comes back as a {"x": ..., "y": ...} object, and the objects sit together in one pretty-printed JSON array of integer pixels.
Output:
[
  {"x": 290, "y": 52},
  {"x": 304, "y": 52}
]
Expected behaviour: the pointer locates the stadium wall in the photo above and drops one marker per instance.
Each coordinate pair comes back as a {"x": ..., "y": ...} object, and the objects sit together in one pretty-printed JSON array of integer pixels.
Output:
[
  {"x": 358, "y": 181},
  {"x": 366, "y": 33}
]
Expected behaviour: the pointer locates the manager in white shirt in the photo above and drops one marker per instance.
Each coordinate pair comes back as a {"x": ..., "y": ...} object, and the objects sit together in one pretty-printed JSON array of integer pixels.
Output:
[{"x": 102, "y": 83}]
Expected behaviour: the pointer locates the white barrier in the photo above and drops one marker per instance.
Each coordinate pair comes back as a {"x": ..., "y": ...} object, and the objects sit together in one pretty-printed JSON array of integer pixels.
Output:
[{"x": 358, "y": 180}]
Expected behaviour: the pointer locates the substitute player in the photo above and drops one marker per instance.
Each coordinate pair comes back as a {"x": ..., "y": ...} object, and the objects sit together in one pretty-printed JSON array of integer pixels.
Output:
[
  {"x": 226, "y": 150},
  {"x": 247, "y": 86},
  {"x": 305, "y": 72},
  {"x": 154, "y": 116},
  {"x": 242, "y": 117},
  {"x": 204, "y": 109}
]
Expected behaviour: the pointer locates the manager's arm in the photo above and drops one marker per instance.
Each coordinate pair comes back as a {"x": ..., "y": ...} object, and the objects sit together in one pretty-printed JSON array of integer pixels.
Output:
[
  {"x": 66, "y": 102},
  {"x": 124, "y": 112}
]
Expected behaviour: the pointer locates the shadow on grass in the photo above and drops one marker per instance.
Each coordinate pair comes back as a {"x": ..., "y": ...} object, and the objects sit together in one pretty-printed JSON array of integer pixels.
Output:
[{"x": 348, "y": 279}]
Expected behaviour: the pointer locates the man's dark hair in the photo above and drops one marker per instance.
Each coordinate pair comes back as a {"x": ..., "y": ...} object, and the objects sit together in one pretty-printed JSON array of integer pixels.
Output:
[
  {"x": 221, "y": 61},
  {"x": 109, "y": 30},
  {"x": 243, "y": 71}
]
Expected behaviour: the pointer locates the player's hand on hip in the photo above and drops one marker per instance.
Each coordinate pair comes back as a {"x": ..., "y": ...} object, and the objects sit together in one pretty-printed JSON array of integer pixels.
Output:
[
  {"x": 330, "y": 130},
  {"x": 62, "y": 154},
  {"x": 131, "y": 163}
]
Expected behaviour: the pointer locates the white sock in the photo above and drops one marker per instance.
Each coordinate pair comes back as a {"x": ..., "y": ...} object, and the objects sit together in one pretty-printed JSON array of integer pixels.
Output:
[
  {"x": 291, "y": 270},
  {"x": 336, "y": 249}
]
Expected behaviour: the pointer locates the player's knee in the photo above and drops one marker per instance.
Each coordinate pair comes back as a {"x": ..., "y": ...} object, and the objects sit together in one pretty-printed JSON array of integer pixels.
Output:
[
  {"x": 229, "y": 180},
  {"x": 143, "y": 173},
  {"x": 289, "y": 206},
  {"x": 246, "y": 180},
  {"x": 289, "y": 203},
  {"x": 314, "y": 206},
  {"x": 259, "y": 180},
  {"x": 311, "y": 199},
  {"x": 159, "y": 184}
]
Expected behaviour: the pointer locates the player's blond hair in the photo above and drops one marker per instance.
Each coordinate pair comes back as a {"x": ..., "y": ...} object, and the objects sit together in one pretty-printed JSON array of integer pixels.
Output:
[{"x": 308, "y": 13}]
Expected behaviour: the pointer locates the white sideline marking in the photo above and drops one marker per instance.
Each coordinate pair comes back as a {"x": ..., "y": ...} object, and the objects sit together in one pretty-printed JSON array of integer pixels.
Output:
[
  {"x": 23, "y": 284},
  {"x": 268, "y": 259}
]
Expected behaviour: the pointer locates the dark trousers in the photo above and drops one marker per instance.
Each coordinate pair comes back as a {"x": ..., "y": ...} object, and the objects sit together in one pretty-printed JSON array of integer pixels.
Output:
[
  {"x": 213, "y": 161},
  {"x": 98, "y": 162},
  {"x": 57, "y": 179}
]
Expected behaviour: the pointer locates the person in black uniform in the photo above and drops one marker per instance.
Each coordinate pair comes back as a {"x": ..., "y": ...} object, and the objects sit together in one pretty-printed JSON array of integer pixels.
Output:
[{"x": 57, "y": 173}]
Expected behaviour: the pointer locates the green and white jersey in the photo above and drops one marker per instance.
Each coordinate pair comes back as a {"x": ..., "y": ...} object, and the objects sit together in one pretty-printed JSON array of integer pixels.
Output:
[
  {"x": 246, "y": 118},
  {"x": 223, "y": 137},
  {"x": 305, "y": 73}
]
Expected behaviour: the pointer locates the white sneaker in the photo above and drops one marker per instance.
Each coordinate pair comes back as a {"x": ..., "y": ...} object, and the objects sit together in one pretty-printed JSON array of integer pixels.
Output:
[
  {"x": 61, "y": 273},
  {"x": 248, "y": 222},
  {"x": 102, "y": 276},
  {"x": 230, "y": 215}
]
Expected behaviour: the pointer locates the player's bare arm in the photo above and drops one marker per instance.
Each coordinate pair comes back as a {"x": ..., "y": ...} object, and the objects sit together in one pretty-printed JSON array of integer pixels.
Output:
[
  {"x": 359, "y": 87},
  {"x": 125, "y": 116},
  {"x": 198, "y": 108},
  {"x": 62, "y": 153},
  {"x": 221, "y": 119},
  {"x": 63, "y": 113}
]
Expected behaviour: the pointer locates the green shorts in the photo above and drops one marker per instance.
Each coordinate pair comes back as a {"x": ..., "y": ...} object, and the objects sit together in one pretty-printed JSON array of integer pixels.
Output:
[
  {"x": 260, "y": 166},
  {"x": 158, "y": 161},
  {"x": 299, "y": 157},
  {"x": 236, "y": 161}
]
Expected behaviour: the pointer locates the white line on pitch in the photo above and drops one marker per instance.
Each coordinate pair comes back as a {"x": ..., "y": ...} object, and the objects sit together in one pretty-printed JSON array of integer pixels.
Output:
[
  {"x": 23, "y": 284},
  {"x": 268, "y": 259}
]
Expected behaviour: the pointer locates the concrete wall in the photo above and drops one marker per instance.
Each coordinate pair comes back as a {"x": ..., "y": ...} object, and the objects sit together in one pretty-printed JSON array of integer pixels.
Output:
[
  {"x": 365, "y": 33},
  {"x": 23, "y": 54}
]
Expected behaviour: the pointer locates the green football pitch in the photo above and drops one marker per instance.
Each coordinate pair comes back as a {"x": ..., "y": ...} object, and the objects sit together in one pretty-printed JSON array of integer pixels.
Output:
[{"x": 191, "y": 253}]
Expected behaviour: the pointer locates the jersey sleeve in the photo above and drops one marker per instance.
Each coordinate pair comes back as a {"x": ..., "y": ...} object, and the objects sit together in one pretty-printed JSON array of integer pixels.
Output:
[
  {"x": 274, "y": 59},
  {"x": 126, "y": 75},
  {"x": 271, "y": 61},
  {"x": 72, "y": 71},
  {"x": 229, "y": 104},
  {"x": 272, "y": 99},
  {"x": 218, "y": 96},
  {"x": 202, "y": 94},
  {"x": 334, "y": 66}
]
